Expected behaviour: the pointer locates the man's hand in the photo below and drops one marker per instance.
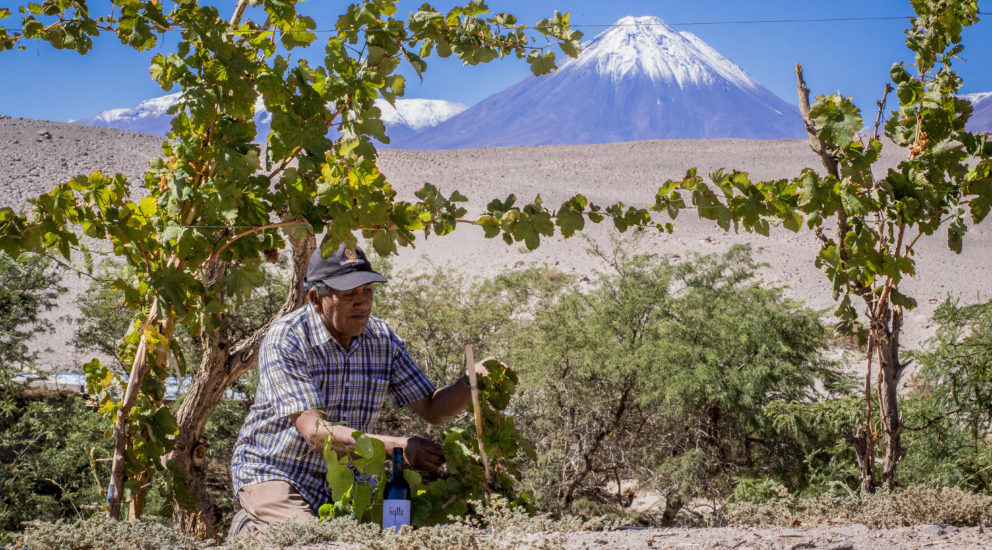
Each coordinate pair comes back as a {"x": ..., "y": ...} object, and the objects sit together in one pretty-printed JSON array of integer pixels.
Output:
[
  {"x": 445, "y": 403},
  {"x": 423, "y": 454}
]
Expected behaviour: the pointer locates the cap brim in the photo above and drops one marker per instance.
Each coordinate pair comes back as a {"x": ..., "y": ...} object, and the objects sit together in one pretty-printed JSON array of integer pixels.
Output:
[{"x": 354, "y": 279}]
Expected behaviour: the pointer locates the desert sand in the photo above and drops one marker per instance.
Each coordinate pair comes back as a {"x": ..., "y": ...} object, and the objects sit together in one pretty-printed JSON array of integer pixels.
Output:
[{"x": 36, "y": 155}]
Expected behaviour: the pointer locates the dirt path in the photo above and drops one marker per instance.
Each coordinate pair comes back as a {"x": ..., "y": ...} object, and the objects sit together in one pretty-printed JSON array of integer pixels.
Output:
[{"x": 841, "y": 537}]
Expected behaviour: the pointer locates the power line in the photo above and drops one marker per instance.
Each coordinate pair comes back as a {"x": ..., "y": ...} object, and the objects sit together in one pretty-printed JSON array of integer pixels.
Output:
[
  {"x": 745, "y": 22},
  {"x": 616, "y": 25}
]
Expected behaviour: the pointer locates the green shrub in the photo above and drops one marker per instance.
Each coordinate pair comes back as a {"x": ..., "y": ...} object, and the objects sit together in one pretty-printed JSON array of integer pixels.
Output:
[
  {"x": 29, "y": 286},
  {"x": 949, "y": 411},
  {"x": 660, "y": 372},
  {"x": 54, "y": 460}
]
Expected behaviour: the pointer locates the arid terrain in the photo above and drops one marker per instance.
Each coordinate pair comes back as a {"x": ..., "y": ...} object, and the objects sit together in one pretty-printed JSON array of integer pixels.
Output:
[
  {"x": 846, "y": 537},
  {"x": 35, "y": 155}
]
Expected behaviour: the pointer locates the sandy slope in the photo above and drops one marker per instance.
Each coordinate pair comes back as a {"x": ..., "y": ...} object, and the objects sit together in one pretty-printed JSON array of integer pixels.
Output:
[{"x": 631, "y": 172}]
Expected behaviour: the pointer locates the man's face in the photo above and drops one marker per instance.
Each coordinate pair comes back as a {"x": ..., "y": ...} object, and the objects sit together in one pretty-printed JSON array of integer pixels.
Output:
[{"x": 345, "y": 312}]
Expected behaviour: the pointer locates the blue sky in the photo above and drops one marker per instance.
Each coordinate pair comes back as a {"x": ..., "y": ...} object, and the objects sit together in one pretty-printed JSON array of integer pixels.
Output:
[{"x": 852, "y": 57}]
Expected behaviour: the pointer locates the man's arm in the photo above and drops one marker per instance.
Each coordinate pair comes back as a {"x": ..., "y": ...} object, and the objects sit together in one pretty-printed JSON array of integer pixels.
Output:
[
  {"x": 445, "y": 403},
  {"x": 420, "y": 453}
]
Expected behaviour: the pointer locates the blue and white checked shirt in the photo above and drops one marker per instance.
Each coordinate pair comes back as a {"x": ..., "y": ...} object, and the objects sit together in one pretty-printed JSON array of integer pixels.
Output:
[{"x": 302, "y": 368}]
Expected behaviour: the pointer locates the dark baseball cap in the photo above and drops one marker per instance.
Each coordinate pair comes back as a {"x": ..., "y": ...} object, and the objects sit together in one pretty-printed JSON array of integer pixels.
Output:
[{"x": 344, "y": 269}]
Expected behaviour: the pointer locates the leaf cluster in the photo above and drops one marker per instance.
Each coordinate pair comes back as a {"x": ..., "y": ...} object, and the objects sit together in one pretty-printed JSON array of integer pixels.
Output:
[{"x": 357, "y": 482}]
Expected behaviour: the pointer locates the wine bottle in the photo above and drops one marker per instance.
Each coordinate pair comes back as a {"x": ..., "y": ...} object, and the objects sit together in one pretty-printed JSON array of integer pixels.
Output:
[{"x": 396, "y": 502}]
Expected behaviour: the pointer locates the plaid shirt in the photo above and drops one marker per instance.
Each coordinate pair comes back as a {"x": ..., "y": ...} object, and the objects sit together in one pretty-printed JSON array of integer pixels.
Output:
[{"x": 302, "y": 368}]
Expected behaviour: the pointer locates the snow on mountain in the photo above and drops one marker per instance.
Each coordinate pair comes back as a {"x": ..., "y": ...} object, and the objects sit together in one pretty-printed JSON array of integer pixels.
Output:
[
  {"x": 418, "y": 114},
  {"x": 647, "y": 46},
  {"x": 413, "y": 115},
  {"x": 638, "y": 80},
  {"x": 152, "y": 116},
  {"x": 981, "y": 117},
  {"x": 149, "y": 117}
]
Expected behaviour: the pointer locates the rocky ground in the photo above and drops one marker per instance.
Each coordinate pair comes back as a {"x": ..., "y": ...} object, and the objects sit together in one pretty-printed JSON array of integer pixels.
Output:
[
  {"x": 841, "y": 537},
  {"x": 36, "y": 155}
]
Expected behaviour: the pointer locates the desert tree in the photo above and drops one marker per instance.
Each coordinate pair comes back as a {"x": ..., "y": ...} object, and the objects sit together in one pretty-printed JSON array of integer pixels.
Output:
[{"x": 870, "y": 222}]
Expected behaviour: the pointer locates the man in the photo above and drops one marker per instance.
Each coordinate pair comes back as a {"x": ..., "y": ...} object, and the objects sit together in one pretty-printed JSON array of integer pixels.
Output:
[{"x": 325, "y": 371}]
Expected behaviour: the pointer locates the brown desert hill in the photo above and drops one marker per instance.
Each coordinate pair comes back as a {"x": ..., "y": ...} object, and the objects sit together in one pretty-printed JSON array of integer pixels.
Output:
[{"x": 37, "y": 155}]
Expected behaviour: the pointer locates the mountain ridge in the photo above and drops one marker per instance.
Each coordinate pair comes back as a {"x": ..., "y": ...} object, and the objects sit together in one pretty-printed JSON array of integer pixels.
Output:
[{"x": 409, "y": 116}]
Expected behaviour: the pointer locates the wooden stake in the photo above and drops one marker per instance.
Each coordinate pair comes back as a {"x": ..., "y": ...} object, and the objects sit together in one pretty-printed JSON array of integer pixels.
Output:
[{"x": 477, "y": 407}]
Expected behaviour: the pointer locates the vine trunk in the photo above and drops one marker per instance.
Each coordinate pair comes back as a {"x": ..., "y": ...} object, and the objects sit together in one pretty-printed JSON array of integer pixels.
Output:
[{"x": 221, "y": 365}]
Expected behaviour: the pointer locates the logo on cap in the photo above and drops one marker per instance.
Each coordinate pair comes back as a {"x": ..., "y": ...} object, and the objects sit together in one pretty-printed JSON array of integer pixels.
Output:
[{"x": 350, "y": 257}]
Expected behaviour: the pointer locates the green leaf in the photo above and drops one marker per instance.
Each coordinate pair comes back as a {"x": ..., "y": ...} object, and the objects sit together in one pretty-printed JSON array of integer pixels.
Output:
[
  {"x": 898, "y": 73},
  {"x": 838, "y": 119},
  {"x": 569, "y": 221},
  {"x": 489, "y": 224},
  {"x": 339, "y": 476},
  {"x": 541, "y": 64},
  {"x": 383, "y": 243},
  {"x": 982, "y": 202},
  {"x": 180, "y": 491},
  {"x": 361, "y": 501},
  {"x": 164, "y": 422},
  {"x": 854, "y": 204},
  {"x": 955, "y": 234},
  {"x": 902, "y": 300}
]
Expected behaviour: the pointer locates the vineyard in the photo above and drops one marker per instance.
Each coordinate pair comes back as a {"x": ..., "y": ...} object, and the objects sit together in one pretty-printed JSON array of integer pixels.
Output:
[{"x": 691, "y": 380}]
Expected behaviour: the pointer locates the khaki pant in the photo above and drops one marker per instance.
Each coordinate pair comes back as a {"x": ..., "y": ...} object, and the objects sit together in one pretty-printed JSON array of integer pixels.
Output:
[{"x": 271, "y": 502}]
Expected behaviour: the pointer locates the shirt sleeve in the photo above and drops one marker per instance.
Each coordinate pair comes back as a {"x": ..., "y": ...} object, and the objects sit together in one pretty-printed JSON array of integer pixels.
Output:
[
  {"x": 284, "y": 374},
  {"x": 407, "y": 383}
]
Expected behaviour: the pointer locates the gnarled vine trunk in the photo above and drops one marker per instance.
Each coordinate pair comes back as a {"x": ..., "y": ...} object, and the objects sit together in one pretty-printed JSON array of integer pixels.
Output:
[{"x": 221, "y": 365}]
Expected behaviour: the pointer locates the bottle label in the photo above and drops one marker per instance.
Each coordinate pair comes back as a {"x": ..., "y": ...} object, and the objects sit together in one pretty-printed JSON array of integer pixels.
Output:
[{"x": 395, "y": 514}]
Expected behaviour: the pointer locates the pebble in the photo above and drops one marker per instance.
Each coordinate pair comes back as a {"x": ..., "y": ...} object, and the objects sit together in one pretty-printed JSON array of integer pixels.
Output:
[{"x": 842, "y": 545}]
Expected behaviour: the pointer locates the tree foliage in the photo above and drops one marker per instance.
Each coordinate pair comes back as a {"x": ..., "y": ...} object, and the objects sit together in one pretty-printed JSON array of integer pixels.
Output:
[
  {"x": 661, "y": 372},
  {"x": 29, "y": 286}
]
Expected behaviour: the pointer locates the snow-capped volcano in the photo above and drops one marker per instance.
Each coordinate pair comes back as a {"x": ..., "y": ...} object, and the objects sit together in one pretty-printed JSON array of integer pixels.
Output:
[
  {"x": 152, "y": 116},
  {"x": 640, "y": 79}
]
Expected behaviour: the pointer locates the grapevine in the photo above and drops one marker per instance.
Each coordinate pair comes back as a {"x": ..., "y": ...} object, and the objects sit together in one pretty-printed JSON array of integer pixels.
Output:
[{"x": 360, "y": 496}]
